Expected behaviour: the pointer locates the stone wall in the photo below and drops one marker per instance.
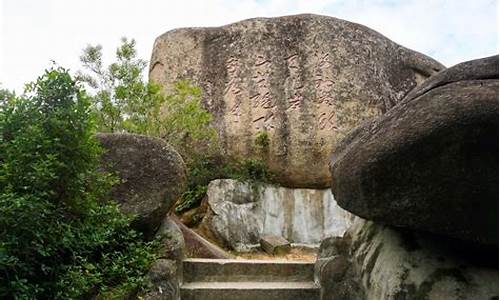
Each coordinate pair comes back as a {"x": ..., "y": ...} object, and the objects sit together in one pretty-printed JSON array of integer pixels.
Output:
[{"x": 239, "y": 213}]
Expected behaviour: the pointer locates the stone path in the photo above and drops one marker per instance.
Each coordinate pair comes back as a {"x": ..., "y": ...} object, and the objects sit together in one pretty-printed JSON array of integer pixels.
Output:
[{"x": 228, "y": 279}]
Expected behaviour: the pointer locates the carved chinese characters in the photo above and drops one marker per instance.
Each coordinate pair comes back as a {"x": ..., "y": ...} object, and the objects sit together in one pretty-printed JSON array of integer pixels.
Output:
[
  {"x": 306, "y": 80},
  {"x": 261, "y": 100}
]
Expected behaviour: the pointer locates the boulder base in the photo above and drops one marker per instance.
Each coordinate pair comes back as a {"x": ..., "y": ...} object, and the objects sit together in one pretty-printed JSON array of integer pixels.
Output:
[
  {"x": 381, "y": 262},
  {"x": 163, "y": 281},
  {"x": 240, "y": 213}
]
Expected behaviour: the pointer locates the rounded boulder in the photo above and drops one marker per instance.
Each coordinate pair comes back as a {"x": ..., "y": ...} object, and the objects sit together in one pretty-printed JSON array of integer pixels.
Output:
[
  {"x": 431, "y": 162},
  {"x": 151, "y": 174}
]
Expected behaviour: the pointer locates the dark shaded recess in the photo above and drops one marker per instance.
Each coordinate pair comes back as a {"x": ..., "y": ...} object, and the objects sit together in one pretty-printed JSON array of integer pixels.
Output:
[{"x": 446, "y": 248}]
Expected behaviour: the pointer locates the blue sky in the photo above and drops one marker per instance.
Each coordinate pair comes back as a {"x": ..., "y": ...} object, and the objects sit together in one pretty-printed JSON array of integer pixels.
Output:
[{"x": 34, "y": 32}]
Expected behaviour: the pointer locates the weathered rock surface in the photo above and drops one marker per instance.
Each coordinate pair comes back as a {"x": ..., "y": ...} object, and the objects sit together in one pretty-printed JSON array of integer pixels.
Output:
[
  {"x": 172, "y": 241},
  {"x": 306, "y": 80},
  {"x": 163, "y": 281},
  {"x": 240, "y": 213},
  {"x": 275, "y": 245},
  {"x": 379, "y": 262},
  {"x": 431, "y": 162},
  {"x": 197, "y": 246},
  {"x": 478, "y": 69},
  {"x": 152, "y": 176}
]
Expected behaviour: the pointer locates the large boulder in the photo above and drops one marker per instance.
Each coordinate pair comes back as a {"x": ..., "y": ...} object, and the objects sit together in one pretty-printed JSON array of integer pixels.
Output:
[
  {"x": 240, "y": 213},
  {"x": 152, "y": 176},
  {"x": 375, "y": 261},
  {"x": 306, "y": 80},
  {"x": 479, "y": 69},
  {"x": 431, "y": 162}
]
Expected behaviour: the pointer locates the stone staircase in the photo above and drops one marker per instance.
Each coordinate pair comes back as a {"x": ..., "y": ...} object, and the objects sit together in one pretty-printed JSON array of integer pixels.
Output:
[{"x": 230, "y": 279}]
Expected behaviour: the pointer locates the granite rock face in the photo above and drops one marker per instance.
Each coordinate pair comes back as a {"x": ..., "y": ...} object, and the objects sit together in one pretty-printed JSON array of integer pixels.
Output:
[
  {"x": 375, "y": 261},
  {"x": 152, "y": 175},
  {"x": 478, "y": 69},
  {"x": 163, "y": 281},
  {"x": 241, "y": 213},
  {"x": 172, "y": 243},
  {"x": 306, "y": 80},
  {"x": 431, "y": 162}
]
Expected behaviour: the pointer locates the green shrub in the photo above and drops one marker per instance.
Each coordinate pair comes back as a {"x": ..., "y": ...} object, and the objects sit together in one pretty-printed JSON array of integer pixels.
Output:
[
  {"x": 192, "y": 198},
  {"x": 56, "y": 240},
  {"x": 201, "y": 172},
  {"x": 124, "y": 102},
  {"x": 121, "y": 100},
  {"x": 262, "y": 140},
  {"x": 185, "y": 124}
]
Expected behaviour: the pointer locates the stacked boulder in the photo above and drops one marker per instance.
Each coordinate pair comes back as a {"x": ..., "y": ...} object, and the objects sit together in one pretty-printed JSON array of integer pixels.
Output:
[
  {"x": 420, "y": 168},
  {"x": 302, "y": 82},
  {"x": 152, "y": 176},
  {"x": 426, "y": 176}
]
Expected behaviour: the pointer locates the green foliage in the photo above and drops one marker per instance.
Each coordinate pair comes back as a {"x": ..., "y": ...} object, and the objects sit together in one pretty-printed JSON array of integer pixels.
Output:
[
  {"x": 203, "y": 171},
  {"x": 56, "y": 240},
  {"x": 262, "y": 140},
  {"x": 185, "y": 124},
  {"x": 254, "y": 170},
  {"x": 6, "y": 96},
  {"x": 207, "y": 168},
  {"x": 192, "y": 197},
  {"x": 124, "y": 102}
]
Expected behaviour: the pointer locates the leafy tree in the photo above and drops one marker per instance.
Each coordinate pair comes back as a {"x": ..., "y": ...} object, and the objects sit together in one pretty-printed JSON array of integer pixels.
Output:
[
  {"x": 57, "y": 240},
  {"x": 186, "y": 125},
  {"x": 124, "y": 102},
  {"x": 6, "y": 96}
]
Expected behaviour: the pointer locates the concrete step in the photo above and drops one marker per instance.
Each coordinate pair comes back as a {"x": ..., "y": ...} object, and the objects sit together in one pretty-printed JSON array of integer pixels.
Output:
[
  {"x": 236, "y": 270},
  {"x": 249, "y": 291}
]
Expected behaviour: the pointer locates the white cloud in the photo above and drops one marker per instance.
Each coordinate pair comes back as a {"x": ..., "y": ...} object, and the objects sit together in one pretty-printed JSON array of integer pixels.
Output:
[
  {"x": 37, "y": 31},
  {"x": 450, "y": 31}
]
